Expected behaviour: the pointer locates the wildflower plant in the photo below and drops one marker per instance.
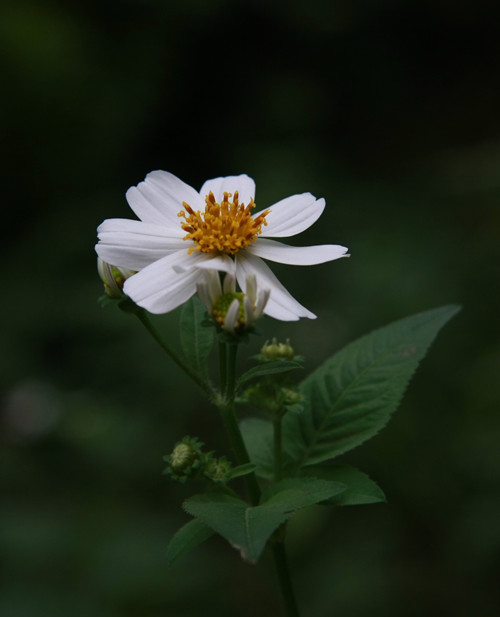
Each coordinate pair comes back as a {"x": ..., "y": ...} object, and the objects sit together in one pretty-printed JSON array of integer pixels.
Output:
[{"x": 205, "y": 251}]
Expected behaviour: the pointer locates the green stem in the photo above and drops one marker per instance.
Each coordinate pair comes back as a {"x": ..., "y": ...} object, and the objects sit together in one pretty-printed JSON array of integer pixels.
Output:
[
  {"x": 223, "y": 367},
  {"x": 143, "y": 318},
  {"x": 227, "y": 360},
  {"x": 240, "y": 451},
  {"x": 231, "y": 372},
  {"x": 285, "y": 580},
  {"x": 233, "y": 431},
  {"x": 277, "y": 447}
]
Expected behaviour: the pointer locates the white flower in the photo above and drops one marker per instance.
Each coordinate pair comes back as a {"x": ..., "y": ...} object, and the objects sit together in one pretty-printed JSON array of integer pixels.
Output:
[{"x": 182, "y": 232}]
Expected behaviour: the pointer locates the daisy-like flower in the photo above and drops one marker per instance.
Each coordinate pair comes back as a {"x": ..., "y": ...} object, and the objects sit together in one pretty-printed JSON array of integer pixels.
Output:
[{"x": 183, "y": 232}]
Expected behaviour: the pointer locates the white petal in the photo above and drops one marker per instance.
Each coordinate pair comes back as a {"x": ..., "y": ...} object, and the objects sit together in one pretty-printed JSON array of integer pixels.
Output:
[
  {"x": 251, "y": 288},
  {"x": 158, "y": 199},
  {"x": 280, "y": 305},
  {"x": 231, "y": 318},
  {"x": 203, "y": 294},
  {"x": 250, "y": 313},
  {"x": 261, "y": 302},
  {"x": 229, "y": 284},
  {"x": 222, "y": 263},
  {"x": 296, "y": 255},
  {"x": 243, "y": 184},
  {"x": 196, "y": 259},
  {"x": 292, "y": 215},
  {"x": 159, "y": 288},
  {"x": 150, "y": 229},
  {"x": 134, "y": 244},
  {"x": 213, "y": 284}
]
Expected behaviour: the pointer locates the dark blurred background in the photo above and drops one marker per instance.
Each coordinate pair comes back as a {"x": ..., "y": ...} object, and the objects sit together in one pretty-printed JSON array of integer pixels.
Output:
[{"x": 389, "y": 110}]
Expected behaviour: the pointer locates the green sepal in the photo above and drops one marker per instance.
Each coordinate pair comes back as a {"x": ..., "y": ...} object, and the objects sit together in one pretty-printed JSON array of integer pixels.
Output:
[
  {"x": 196, "y": 338},
  {"x": 351, "y": 397},
  {"x": 237, "y": 337},
  {"x": 189, "y": 536},
  {"x": 248, "y": 528},
  {"x": 106, "y": 300},
  {"x": 359, "y": 488}
]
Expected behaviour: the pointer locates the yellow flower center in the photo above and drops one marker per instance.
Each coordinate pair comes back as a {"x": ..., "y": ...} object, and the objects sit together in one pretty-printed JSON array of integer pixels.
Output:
[{"x": 227, "y": 227}]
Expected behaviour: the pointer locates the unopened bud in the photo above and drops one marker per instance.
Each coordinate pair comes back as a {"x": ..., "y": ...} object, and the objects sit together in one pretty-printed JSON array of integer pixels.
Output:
[
  {"x": 185, "y": 459},
  {"x": 218, "y": 470},
  {"x": 113, "y": 278},
  {"x": 291, "y": 397}
]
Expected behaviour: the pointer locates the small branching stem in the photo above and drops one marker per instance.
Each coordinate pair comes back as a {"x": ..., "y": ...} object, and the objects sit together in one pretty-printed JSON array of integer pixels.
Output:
[{"x": 144, "y": 319}]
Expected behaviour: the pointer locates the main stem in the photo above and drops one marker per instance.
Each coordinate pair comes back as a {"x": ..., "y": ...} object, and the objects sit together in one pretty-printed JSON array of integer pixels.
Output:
[
  {"x": 285, "y": 581},
  {"x": 227, "y": 359},
  {"x": 233, "y": 431}
]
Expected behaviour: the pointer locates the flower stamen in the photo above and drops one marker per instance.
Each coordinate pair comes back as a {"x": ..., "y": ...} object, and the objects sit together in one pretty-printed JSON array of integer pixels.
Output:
[{"x": 227, "y": 227}]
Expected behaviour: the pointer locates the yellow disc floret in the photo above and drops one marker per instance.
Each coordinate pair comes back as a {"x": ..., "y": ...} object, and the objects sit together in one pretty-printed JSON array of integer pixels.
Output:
[{"x": 227, "y": 227}]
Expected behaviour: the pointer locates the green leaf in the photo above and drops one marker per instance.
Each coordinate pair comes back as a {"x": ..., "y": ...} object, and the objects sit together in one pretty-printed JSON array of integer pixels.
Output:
[
  {"x": 248, "y": 528},
  {"x": 241, "y": 470},
  {"x": 191, "y": 535},
  {"x": 351, "y": 396},
  {"x": 258, "y": 438},
  {"x": 196, "y": 339},
  {"x": 360, "y": 489},
  {"x": 303, "y": 491},
  {"x": 269, "y": 368}
]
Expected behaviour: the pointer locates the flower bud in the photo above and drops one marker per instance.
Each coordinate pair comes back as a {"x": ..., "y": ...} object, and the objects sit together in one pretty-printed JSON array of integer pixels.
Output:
[
  {"x": 277, "y": 351},
  {"x": 113, "y": 278},
  {"x": 185, "y": 460},
  {"x": 218, "y": 470}
]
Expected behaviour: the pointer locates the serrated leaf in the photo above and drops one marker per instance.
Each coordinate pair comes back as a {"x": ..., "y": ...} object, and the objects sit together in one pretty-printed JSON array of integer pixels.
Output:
[
  {"x": 268, "y": 368},
  {"x": 303, "y": 491},
  {"x": 351, "y": 396},
  {"x": 359, "y": 488},
  {"x": 248, "y": 528},
  {"x": 197, "y": 340},
  {"x": 189, "y": 536}
]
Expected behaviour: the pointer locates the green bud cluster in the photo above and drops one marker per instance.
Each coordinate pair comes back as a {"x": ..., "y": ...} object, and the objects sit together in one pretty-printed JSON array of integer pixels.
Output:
[
  {"x": 188, "y": 460},
  {"x": 274, "y": 399},
  {"x": 218, "y": 470},
  {"x": 277, "y": 351}
]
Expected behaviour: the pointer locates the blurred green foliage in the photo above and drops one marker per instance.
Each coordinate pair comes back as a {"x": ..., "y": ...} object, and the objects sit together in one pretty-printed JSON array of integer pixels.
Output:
[{"x": 390, "y": 111}]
